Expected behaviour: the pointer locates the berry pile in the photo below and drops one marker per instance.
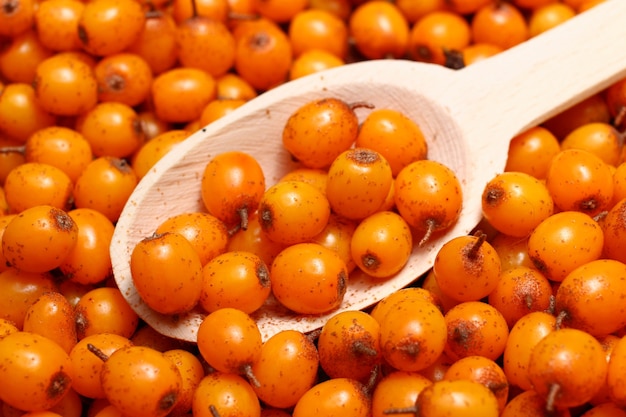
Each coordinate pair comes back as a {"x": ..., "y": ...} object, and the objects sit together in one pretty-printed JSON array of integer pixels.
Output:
[{"x": 525, "y": 316}]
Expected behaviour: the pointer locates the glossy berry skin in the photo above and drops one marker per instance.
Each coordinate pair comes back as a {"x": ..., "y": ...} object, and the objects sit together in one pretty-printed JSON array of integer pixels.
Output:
[
  {"x": 319, "y": 131},
  {"x": 36, "y": 373},
  {"x": 308, "y": 278}
]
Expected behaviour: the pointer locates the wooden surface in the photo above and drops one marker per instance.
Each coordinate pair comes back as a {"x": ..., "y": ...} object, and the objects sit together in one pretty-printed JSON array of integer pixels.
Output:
[{"x": 468, "y": 117}]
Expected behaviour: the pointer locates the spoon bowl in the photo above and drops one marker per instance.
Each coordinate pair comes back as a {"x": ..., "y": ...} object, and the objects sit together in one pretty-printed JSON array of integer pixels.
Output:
[{"x": 467, "y": 117}]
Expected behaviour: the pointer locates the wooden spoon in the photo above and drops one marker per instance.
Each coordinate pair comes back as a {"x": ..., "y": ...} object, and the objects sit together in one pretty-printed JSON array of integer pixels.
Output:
[{"x": 468, "y": 117}]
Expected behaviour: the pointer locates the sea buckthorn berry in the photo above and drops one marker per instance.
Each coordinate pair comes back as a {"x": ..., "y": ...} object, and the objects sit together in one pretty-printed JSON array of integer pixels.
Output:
[
  {"x": 436, "y": 33},
  {"x": 6, "y": 328},
  {"x": 523, "y": 337},
  {"x": 381, "y": 244},
  {"x": 530, "y": 404},
  {"x": 413, "y": 10},
  {"x": 316, "y": 177},
  {"x": 73, "y": 291},
  {"x": 287, "y": 368},
  {"x": 514, "y": 203},
  {"x": 337, "y": 235},
  {"x": 619, "y": 183},
  {"x": 63, "y": 75},
  {"x": 335, "y": 396},
  {"x": 601, "y": 139},
  {"x": 254, "y": 240},
  {"x": 358, "y": 183},
  {"x": 4, "y": 210},
  {"x": 513, "y": 251},
  {"x": 20, "y": 289},
  {"x": 167, "y": 272},
  {"x": 482, "y": 370},
  {"x": 52, "y": 316},
  {"x": 533, "y": 4},
  {"x": 89, "y": 262},
  {"x": 592, "y": 109},
  {"x": 226, "y": 394},
  {"x": 615, "y": 373},
  {"x": 475, "y": 328},
  {"x": 603, "y": 395},
  {"x": 467, "y": 268},
  {"x": 206, "y": 44},
  {"x": 217, "y": 109},
  {"x": 467, "y": 6},
  {"x": 499, "y": 23},
  {"x": 319, "y": 131},
  {"x": 139, "y": 380},
  {"x": 532, "y": 151},
  {"x": 230, "y": 341},
  {"x": 57, "y": 24},
  {"x": 412, "y": 335},
  {"x": 445, "y": 302},
  {"x": 428, "y": 196},
  {"x": 104, "y": 310},
  {"x": 231, "y": 86},
  {"x": 263, "y": 54},
  {"x": 548, "y": 16},
  {"x": 475, "y": 52},
  {"x": 590, "y": 298},
  {"x": 312, "y": 61},
  {"x": 10, "y": 157},
  {"x": 397, "y": 390},
  {"x": 41, "y": 366},
  {"x": 340, "y": 8},
  {"x": 279, "y": 11},
  {"x": 205, "y": 232},
  {"x": 33, "y": 183},
  {"x": 614, "y": 228},
  {"x": 349, "y": 345},
  {"x": 105, "y": 185},
  {"x": 21, "y": 114},
  {"x": 21, "y": 56},
  {"x": 607, "y": 409},
  {"x": 235, "y": 279},
  {"x": 232, "y": 186},
  {"x": 563, "y": 242},
  {"x": 16, "y": 17},
  {"x": 293, "y": 212},
  {"x": 180, "y": 94},
  {"x": 214, "y": 9},
  {"x": 393, "y": 135},
  {"x": 123, "y": 77},
  {"x": 460, "y": 398},
  {"x": 191, "y": 370},
  {"x": 615, "y": 97},
  {"x": 388, "y": 303},
  {"x": 107, "y": 27},
  {"x": 113, "y": 129},
  {"x": 320, "y": 30},
  {"x": 308, "y": 278},
  {"x": 152, "y": 125},
  {"x": 61, "y": 147},
  {"x": 39, "y": 238},
  {"x": 556, "y": 365},
  {"x": 156, "y": 42},
  {"x": 521, "y": 290},
  {"x": 150, "y": 152},
  {"x": 87, "y": 366},
  {"x": 379, "y": 30}
]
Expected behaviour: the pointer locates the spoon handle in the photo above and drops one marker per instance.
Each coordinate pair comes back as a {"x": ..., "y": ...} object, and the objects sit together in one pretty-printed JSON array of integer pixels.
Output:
[{"x": 541, "y": 77}]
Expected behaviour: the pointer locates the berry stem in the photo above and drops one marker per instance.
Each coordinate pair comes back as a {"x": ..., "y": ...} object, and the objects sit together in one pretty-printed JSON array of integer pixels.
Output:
[
  {"x": 98, "y": 352},
  {"x": 472, "y": 253}
]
